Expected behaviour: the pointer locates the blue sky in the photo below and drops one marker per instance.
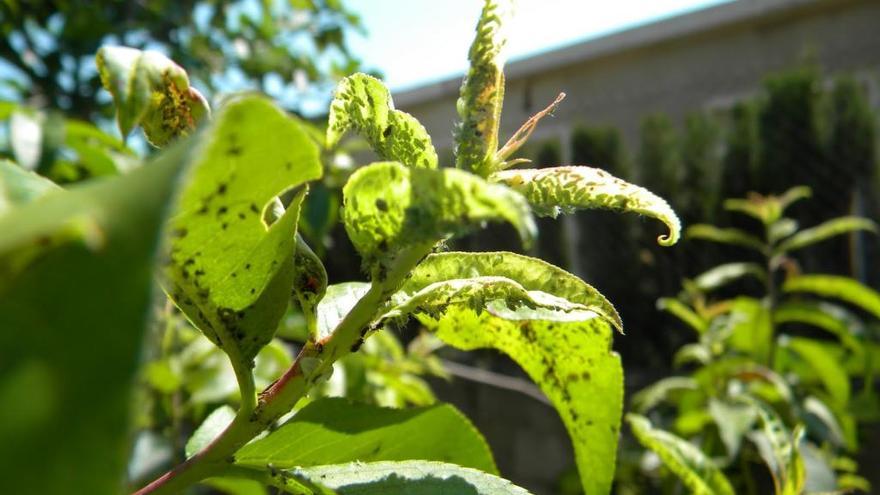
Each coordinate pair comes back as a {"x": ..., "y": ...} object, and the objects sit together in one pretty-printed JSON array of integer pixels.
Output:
[{"x": 414, "y": 42}]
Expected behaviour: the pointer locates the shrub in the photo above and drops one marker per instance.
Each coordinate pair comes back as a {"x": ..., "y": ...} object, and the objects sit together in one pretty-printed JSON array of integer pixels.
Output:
[{"x": 771, "y": 377}]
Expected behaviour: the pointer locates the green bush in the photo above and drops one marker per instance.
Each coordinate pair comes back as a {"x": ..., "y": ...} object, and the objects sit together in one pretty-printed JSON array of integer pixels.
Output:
[{"x": 773, "y": 376}]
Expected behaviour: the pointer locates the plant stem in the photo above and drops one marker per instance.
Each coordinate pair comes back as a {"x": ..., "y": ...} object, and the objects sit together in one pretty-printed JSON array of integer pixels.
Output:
[
  {"x": 771, "y": 295},
  {"x": 497, "y": 380},
  {"x": 282, "y": 396}
]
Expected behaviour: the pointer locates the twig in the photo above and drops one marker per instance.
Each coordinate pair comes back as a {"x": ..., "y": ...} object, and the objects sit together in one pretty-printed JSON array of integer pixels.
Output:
[{"x": 497, "y": 380}]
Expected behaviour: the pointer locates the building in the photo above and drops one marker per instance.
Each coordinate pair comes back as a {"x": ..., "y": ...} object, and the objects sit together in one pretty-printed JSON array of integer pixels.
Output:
[{"x": 707, "y": 59}]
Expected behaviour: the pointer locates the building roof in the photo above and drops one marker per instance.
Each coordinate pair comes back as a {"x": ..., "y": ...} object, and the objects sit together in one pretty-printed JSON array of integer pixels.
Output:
[{"x": 694, "y": 23}]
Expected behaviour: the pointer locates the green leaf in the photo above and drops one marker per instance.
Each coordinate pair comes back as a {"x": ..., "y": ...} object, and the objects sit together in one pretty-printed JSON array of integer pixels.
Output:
[
  {"x": 732, "y": 236},
  {"x": 699, "y": 474},
  {"x": 779, "y": 449},
  {"x": 337, "y": 302},
  {"x": 482, "y": 93},
  {"x": 477, "y": 292},
  {"x": 659, "y": 391},
  {"x": 829, "y": 370},
  {"x": 388, "y": 206},
  {"x": 794, "y": 195},
  {"x": 767, "y": 209},
  {"x": 851, "y": 482},
  {"x": 152, "y": 91},
  {"x": 482, "y": 292},
  {"x": 532, "y": 274},
  {"x": 572, "y": 363},
  {"x": 363, "y": 103},
  {"x": 781, "y": 229},
  {"x": 751, "y": 328},
  {"x": 692, "y": 353},
  {"x": 683, "y": 313},
  {"x": 229, "y": 271},
  {"x": 408, "y": 478},
  {"x": 820, "y": 411},
  {"x": 837, "y": 287},
  {"x": 210, "y": 429},
  {"x": 820, "y": 315},
  {"x": 335, "y": 431},
  {"x": 76, "y": 271},
  {"x": 566, "y": 189},
  {"x": 733, "y": 421},
  {"x": 824, "y": 231},
  {"x": 19, "y": 186},
  {"x": 236, "y": 486},
  {"x": 726, "y": 273},
  {"x": 309, "y": 282}
]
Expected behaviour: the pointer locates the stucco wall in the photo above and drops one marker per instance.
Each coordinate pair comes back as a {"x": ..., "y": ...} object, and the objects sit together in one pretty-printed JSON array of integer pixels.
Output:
[{"x": 704, "y": 60}]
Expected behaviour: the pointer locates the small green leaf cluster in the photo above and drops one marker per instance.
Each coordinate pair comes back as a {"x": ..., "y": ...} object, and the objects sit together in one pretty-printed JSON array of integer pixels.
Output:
[
  {"x": 772, "y": 376},
  {"x": 228, "y": 187}
]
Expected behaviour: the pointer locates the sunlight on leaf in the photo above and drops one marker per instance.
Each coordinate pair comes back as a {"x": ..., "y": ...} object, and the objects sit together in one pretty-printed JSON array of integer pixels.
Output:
[
  {"x": 566, "y": 189},
  {"x": 388, "y": 206},
  {"x": 229, "y": 272},
  {"x": 364, "y": 104},
  {"x": 408, "y": 477},
  {"x": 568, "y": 361},
  {"x": 335, "y": 431},
  {"x": 531, "y": 274},
  {"x": 152, "y": 91}
]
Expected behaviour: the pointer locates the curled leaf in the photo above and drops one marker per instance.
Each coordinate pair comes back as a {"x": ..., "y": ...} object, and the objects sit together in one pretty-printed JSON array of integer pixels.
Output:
[
  {"x": 565, "y": 189},
  {"x": 531, "y": 274},
  {"x": 229, "y": 271},
  {"x": 364, "y": 104},
  {"x": 388, "y": 206},
  {"x": 152, "y": 91},
  {"x": 476, "y": 293},
  {"x": 309, "y": 282},
  {"x": 482, "y": 93}
]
